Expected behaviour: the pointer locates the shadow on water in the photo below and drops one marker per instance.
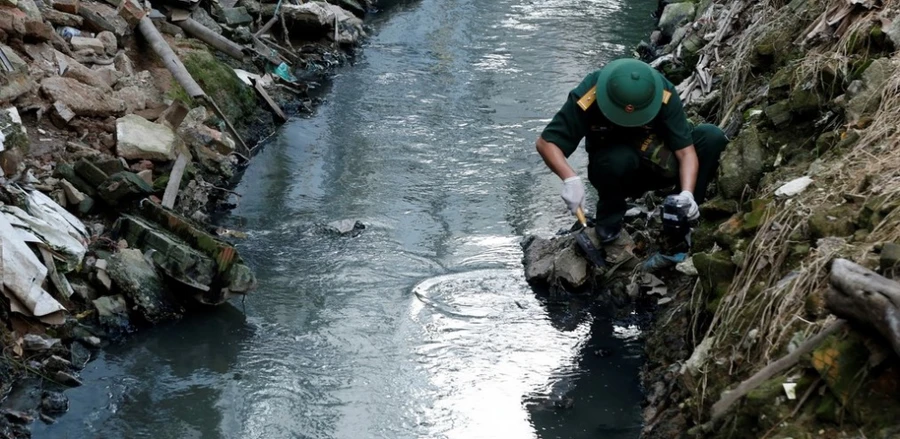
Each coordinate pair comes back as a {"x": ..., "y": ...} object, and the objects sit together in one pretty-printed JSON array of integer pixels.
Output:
[
  {"x": 577, "y": 402},
  {"x": 187, "y": 362}
]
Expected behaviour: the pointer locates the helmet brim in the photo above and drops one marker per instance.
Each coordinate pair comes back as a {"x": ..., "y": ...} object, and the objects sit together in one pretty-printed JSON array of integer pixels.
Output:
[{"x": 618, "y": 115}]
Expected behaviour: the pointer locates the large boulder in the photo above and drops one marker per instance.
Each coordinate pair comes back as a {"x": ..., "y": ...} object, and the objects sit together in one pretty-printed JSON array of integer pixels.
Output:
[
  {"x": 138, "y": 280},
  {"x": 674, "y": 16},
  {"x": 741, "y": 164},
  {"x": 82, "y": 99},
  {"x": 139, "y": 139}
]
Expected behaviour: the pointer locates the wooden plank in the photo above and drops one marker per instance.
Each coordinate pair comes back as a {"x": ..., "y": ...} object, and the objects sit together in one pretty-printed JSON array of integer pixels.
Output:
[
  {"x": 174, "y": 184},
  {"x": 271, "y": 103}
]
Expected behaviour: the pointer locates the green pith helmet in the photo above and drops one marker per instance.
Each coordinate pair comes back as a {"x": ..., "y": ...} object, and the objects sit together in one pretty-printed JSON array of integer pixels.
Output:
[{"x": 629, "y": 92}]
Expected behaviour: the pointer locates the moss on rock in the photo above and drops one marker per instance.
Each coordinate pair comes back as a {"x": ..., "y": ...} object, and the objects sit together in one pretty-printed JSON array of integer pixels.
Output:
[{"x": 834, "y": 221}]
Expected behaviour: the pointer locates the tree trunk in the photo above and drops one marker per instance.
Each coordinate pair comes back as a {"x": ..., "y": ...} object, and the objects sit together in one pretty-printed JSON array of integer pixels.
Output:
[{"x": 861, "y": 295}]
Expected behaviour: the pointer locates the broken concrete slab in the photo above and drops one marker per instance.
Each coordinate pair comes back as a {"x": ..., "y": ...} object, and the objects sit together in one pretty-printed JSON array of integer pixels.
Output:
[
  {"x": 112, "y": 311},
  {"x": 73, "y": 195},
  {"x": 93, "y": 44},
  {"x": 16, "y": 82},
  {"x": 82, "y": 99},
  {"x": 61, "y": 115},
  {"x": 99, "y": 17},
  {"x": 236, "y": 16},
  {"x": 66, "y": 6},
  {"x": 123, "y": 187},
  {"x": 138, "y": 139},
  {"x": 138, "y": 280},
  {"x": 110, "y": 43},
  {"x": 88, "y": 171}
]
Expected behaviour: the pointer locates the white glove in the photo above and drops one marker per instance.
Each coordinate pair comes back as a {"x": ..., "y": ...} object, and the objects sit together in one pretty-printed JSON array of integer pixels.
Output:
[
  {"x": 573, "y": 193},
  {"x": 694, "y": 210}
]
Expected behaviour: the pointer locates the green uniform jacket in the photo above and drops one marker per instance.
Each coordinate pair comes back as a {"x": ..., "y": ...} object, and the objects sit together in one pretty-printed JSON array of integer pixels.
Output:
[{"x": 572, "y": 123}]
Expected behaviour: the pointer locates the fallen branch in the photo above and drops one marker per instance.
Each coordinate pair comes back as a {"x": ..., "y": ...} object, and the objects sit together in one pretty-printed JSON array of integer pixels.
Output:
[
  {"x": 721, "y": 407},
  {"x": 861, "y": 295},
  {"x": 174, "y": 183}
]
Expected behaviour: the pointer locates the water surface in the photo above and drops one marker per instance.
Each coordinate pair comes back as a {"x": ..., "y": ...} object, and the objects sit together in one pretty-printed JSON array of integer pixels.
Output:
[{"x": 422, "y": 326}]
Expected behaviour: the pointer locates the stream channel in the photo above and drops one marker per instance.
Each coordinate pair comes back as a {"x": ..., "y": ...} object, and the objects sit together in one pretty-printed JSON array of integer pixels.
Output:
[{"x": 422, "y": 326}]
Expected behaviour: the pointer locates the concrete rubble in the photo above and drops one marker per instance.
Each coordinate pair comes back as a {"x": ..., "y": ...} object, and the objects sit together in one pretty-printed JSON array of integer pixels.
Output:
[{"x": 98, "y": 133}]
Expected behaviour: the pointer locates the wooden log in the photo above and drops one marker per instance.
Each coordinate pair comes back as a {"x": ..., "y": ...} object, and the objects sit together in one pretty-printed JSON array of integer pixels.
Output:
[
  {"x": 201, "y": 32},
  {"x": 721, "y": 407},
  {"x": 861, "y": 295},
  {"x": 266, "y": 27},
  {"x": 268, "y": 100},
  {"x": 174, "y": 183},
  {"x": 169, "y": 59}
]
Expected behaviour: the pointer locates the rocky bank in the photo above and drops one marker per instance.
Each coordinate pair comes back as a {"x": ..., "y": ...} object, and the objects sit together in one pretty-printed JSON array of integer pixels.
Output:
[
  {"x": 781, "y": 321},
  {"x": 123, "y": 126}
]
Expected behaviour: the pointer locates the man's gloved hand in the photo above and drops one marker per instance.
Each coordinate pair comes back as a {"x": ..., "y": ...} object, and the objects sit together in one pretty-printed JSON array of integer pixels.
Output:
[
  {"x": 694, "y": 210},
  {"x": 573, "y": 193}
]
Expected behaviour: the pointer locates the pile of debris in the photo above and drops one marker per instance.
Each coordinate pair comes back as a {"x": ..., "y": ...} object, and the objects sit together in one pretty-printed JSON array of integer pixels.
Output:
[{"x": 118, "y": 134}]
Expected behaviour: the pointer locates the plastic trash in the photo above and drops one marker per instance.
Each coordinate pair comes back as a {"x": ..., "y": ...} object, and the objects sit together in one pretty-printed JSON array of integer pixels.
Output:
[
  {"x": 68, "y": 32},
  {"x": 658, "y": 261},
  {"x": 284, "y": 71}
]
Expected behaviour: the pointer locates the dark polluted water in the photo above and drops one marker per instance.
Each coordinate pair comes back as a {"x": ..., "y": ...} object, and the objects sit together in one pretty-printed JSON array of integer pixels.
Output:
[{"x": 422, "y": 326}]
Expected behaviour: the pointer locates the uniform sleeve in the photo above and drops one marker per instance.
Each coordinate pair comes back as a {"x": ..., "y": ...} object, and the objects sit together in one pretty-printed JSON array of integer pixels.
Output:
[
  {"x": 569, "y": 125},
  {"x": 678, "y": 132}
]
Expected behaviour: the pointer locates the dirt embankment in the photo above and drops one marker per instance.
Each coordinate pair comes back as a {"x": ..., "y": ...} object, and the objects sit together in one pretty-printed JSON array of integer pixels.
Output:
[
  {"x": 778, "y": 332},
  {"x": 124, "y": 125}
]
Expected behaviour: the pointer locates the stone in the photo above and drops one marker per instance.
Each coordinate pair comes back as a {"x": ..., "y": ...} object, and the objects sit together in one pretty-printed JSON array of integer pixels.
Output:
[
  {"x": 92, "y": 44},
  {"x": 99, "y": 17},
  {"x": 30, "y": 8},
  {"x": 674, "y": 16},
  {"x": 63, "y": 19},
  {"x": 236, "y": 16},
  {"x": 138, "y": 280},
  {"x": 37, "y": 31},
  {"x": 571, "y": 267},
  {"x": 741, "y": 164},
  {"x": 37, "y": 343},
  {"x": 718, "y": 208},
  {"x": 109, "y": 75},
  {"x": 889, "y": 260},
  {"x": 66, "y": 6},
  {"x": 779, "y": 113},
  {"x": 73, "y": 195},
  {"x": 90, "y": 77},
  {"x": 139, "y": 139},
  {"x": 353, "y": 6},
  {"x": 79, "y": 355},
  {"x": 131, "y": 13},
  {"x": 123, "y": 64},
  {"x": 112, "y": 311},
  {"x": 67, "y": 172},
  {"x": 135, "y": 98},
  {"x": 867, "y": 100},
  {"x": 54, "y": 403},
  {"x": 82, "y": 99},
  {"x": 84, "y": 291},
  {"x": 831, "y": 222},
  {"x": 61, "y": 115},
  {"x": 804, "y": 99},
  {"x": 104, "y": 279},
  {"x": 91, "y": 174},
  {"x": 17, "y": 82},
  {"x": 201, "y": 16},
  {"x": 312, "y": 15},
  {"x": 716, "y": 271},
  {"x": 54, "y": 363},
  {"x": 122, "y": 187},
  {"x": 350, "y": 27},
  {"x": 66, "y": 379},
  {"x": 172, "y": 255},
  {"x": 110, "y": 44},
  {"x": 346, "y": 227},
  {"x": 174, "y": 115},
  {"x": 147, "y": 176},
  {"x": 538, "y": 258}
]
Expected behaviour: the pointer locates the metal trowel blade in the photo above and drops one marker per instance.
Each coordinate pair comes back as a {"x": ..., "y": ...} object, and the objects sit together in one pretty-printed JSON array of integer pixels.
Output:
[{"x": 597, "y": 256}]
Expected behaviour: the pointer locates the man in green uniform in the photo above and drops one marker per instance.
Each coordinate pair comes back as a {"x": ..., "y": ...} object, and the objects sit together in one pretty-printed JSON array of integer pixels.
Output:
[{"x": 637, "y": 137}]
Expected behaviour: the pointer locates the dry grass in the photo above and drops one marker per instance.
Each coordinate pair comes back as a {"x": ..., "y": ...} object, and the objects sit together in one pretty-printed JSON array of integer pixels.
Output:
[{"x": 764, "y": 306}]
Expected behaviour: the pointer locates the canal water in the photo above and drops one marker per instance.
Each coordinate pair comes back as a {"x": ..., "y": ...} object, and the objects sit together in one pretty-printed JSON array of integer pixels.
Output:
[{"x": 422, "y": 326}]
